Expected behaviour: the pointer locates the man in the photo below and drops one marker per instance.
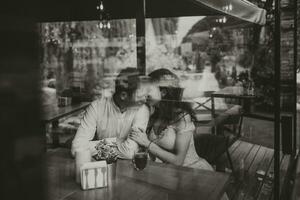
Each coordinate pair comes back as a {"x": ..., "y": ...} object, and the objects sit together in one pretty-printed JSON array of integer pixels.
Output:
[{"x": 114, "y": 117}]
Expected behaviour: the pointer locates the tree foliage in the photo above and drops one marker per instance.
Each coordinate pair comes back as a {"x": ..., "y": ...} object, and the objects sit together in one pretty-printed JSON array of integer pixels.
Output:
[
  {"x": 221, "y": 41},
  {"x": 262, "y": 74}
]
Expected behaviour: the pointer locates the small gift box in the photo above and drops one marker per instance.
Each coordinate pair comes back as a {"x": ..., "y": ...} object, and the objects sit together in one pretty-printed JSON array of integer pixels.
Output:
[
  {"x": 64, "y": 101},
  {"x": 93, "y": 175}
]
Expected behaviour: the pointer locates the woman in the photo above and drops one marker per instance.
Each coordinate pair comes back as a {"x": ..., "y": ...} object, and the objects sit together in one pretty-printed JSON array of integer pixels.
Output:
[{"x": 169, "y": 136}]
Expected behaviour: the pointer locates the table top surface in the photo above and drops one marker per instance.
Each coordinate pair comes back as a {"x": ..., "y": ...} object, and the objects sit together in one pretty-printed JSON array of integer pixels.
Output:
[
  {"x": 232, "y": 92},
  {"x": 156, "y": 181},
  {"x": 53, "y": 112}
]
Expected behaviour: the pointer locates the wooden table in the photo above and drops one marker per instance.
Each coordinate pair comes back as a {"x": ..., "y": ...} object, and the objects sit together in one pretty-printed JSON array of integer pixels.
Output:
[
  {"x": 231, "y": 93},
  {"x": 52, "y": 114},
  {"x": 157, "y": 181}
]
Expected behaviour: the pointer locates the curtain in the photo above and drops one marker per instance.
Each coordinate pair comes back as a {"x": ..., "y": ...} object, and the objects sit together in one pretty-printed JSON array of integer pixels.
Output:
[{"x": 240, "y": 9}]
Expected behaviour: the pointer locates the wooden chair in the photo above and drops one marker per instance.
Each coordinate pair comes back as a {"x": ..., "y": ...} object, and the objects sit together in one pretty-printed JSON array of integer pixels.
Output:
[
  {"x": 207, "y": 94},
  {"x": 202, "y": 111},
  {"x": 212, "y": 146},
  {"x": 231, "y": 125}
]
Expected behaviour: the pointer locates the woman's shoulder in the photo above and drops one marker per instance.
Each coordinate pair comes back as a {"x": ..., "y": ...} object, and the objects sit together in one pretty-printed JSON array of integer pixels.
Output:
[
  {"x": 143, "y": 110},
  {"x": 184, "y": 122}
]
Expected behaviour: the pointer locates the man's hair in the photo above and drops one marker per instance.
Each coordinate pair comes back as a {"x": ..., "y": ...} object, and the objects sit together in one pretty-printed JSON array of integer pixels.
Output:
[
  {"x": 162, "y": 73},
  {"x": 127, "y": 81}
]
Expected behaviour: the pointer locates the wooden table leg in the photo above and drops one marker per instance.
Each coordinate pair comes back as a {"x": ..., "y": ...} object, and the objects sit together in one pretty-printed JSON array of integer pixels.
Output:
[
  {"x": 55, "y": 134},
  {"x": 213, "y": 115},
  {"x": 44, "y": 132}
]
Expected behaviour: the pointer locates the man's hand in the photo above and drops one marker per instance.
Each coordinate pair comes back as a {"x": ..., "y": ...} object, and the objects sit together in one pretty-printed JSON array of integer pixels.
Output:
[{"x": 139, "y": 136}]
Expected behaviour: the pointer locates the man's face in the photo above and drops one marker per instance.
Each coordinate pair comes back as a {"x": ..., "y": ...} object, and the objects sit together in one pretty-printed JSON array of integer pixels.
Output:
[
  {"x": 144, "y": 92},
  {"x": 128, "y": 99},
  {"x": 149, "y": 92}
]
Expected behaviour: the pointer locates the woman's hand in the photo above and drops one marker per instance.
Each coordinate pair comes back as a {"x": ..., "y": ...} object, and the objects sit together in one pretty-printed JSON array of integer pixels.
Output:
[{"x": 140, "y": 137}]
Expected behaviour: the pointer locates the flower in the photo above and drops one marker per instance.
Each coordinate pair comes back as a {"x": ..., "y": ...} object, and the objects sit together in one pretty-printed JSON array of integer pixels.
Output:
[{"x": 106, "y": 152}]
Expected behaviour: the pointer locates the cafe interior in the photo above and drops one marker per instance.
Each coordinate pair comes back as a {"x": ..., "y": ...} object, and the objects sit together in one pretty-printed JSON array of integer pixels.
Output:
[{"x": 237, "y": 62}]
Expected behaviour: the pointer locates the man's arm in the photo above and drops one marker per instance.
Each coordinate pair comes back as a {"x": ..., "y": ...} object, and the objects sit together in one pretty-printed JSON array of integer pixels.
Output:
[
  {"x": 87, "y": 129},
  {"x": 128, "y": 147}
]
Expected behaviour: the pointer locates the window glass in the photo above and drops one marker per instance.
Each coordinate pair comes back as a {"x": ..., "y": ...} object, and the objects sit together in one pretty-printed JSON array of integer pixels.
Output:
[{"x": 85, "y": 55}]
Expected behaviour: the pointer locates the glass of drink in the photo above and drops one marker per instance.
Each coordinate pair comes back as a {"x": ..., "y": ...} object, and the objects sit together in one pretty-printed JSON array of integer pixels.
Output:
[{"x": 140, "y": 160}]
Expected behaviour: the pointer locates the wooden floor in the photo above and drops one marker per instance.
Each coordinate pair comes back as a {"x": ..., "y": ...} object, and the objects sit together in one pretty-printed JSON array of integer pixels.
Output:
[
  {"x": 296, "y": 188},
  {"x": 247, "y": 184}
]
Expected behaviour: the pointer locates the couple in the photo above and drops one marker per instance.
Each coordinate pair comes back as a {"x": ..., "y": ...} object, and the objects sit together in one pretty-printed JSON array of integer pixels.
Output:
[{"x": 161, "y": 123}]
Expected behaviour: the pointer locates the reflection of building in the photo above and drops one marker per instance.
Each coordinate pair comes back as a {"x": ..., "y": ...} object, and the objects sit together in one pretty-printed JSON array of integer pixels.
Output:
[
  {"x": 165, "y": 30},
  {"x": 165, "y": 26},
  {"x": 240, "y": 34},
  {"x": 161, "y": 31}
]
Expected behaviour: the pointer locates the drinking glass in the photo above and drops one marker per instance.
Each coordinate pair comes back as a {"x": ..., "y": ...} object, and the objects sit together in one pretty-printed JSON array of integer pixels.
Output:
[{"x": 140, "y": 160}]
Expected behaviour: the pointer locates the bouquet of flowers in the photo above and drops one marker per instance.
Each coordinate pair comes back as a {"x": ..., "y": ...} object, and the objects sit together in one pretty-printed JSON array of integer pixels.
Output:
[{"x": 106, "y": 151}]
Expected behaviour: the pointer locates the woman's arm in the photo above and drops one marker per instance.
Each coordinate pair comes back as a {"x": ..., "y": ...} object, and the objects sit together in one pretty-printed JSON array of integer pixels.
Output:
[
  {"x": 182, "y": 141},
  {"x": 128, "y": 147},
  {"x": 176, "y": 157}
]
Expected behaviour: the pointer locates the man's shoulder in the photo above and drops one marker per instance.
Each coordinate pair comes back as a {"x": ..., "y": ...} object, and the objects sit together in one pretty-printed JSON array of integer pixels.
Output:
[
  {"x": 100, "y": 102},
  {"x": 102, "y": 99}
]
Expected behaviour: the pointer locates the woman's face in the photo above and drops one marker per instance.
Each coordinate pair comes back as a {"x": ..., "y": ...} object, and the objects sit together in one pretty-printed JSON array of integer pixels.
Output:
[
  {"x": 150, "y": 91},
  {"x": 153, "y": 95},
  {"x": 154, "y": 92}
]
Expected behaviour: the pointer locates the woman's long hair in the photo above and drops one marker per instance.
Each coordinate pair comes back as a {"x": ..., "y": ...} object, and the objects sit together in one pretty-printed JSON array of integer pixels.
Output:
[{"x": 170, "y": 109}]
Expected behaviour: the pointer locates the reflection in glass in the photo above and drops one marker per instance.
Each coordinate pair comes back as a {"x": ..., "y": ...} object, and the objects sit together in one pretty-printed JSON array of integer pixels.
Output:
[{"x": 80, "y": 55}]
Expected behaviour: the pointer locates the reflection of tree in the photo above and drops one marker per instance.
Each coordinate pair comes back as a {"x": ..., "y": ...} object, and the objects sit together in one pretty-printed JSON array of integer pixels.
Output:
[
  {"x": 81, "y": 48},
  {"x": 221, "y": 41},
  {"x": 246, "y": 59},
  {"x": 160, "y": 48},
  {"x": 262, "y": 71},
  {"x": 262, "y": 74},
  {"x": 168, "y": 60},
  {"x": 199, "y": 62},
  {"x": 90, "y": 79},
  {"x": 215, "y": 57}
]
